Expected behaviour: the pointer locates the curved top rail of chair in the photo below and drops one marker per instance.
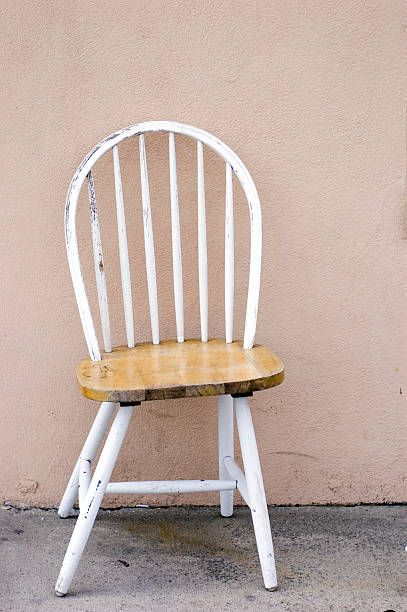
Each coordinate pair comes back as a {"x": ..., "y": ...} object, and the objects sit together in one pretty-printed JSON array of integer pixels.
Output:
[
  {"x": 223, "y": 151},
  {"x": 164, "y": 126}
]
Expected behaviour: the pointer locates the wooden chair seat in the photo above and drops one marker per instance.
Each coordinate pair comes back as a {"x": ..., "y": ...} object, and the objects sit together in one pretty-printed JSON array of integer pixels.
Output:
[{"x": 172, "y": 369}]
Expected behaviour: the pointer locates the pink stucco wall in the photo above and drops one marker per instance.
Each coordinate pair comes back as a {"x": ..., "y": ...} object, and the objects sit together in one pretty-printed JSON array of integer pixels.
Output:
[{"x": 310, "y": 95}]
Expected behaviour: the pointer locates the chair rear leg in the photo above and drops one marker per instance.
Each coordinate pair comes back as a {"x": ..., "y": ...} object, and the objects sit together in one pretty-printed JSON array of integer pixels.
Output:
[
  {"x": 93, "y": 499},
  {"x": 89, "y": 450},
  {"x": 225, "y": 441},
  {"x": 257, "y": 497}
]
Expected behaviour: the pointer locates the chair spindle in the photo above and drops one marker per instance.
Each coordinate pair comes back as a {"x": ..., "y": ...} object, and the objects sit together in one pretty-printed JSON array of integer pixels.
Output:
[
  {"x": 229, "y": 255},
  {"x": 123, "y": 251},
  {"x": 149, "y": 243},
  {"x": 202, "y": 248},
  {"x": 176, "y": 243},
  {"x": 99, "y": 266}
]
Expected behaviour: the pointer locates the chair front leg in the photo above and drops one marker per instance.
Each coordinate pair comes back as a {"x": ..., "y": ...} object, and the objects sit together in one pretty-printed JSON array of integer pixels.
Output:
[
  {"x": 225, "y": 442},
  {"x": 93, "y": 498},
  {"x": 89, "y": 450},
  {"x": 257, "y": 497}
]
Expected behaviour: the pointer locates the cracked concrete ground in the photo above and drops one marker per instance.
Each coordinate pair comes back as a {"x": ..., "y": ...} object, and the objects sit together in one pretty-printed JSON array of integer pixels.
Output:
[{"x": 185, "y": 559}]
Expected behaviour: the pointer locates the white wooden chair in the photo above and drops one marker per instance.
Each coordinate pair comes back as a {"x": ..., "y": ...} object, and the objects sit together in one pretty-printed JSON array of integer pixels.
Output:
[{"x": 139, "y": 372}]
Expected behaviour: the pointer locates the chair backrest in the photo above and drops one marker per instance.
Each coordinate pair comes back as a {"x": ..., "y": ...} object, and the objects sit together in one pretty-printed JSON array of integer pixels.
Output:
[{"x": 233, "y": 164}]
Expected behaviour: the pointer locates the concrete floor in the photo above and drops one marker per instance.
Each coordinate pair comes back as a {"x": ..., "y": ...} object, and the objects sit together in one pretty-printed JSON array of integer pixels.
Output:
[{"x": 185, "y": 559}]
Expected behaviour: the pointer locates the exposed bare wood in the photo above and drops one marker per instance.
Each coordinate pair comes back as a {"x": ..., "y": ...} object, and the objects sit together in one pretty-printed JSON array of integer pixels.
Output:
[{"x": 172, "y": 369}]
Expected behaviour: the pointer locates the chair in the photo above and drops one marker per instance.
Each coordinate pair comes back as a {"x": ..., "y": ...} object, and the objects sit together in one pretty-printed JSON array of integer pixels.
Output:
[{"x": 131, "y": 374}]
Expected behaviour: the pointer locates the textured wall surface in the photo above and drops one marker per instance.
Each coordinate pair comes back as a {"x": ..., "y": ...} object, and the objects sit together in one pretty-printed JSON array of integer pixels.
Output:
[{"x": 310, "y": 95}]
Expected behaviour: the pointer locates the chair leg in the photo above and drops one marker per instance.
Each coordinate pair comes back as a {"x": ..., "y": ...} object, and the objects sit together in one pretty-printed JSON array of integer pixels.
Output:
[
  {"x": 93, "y": 498},
  {"x": 225, "y": 441},
  {"x": 89, "y": 450},
  {"x": 257, "y": 497}
]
